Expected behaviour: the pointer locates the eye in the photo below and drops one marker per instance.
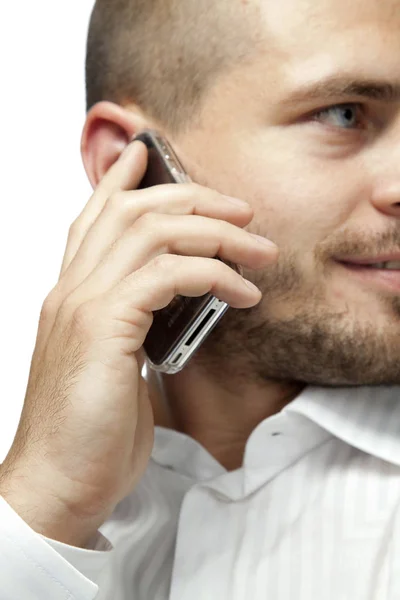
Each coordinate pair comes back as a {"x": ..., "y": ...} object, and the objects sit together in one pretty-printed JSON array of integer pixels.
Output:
[{"x": 343, "y": 116}]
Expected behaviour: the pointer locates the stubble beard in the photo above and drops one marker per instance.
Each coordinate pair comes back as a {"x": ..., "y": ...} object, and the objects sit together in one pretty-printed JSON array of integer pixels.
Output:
[{"x": 308, "y": 343}]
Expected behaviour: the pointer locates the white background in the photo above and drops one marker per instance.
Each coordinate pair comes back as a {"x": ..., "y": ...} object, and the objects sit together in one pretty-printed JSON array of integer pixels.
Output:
[{"x": 43, "y": 183}]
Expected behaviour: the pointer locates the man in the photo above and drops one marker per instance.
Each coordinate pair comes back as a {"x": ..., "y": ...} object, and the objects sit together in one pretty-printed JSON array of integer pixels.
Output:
[{"x": 275, "y": 469}]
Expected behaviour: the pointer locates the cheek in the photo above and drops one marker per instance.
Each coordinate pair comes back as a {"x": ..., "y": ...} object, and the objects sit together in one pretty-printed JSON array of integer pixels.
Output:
[
  {"x": 300, "y": 200},
  {"x": 299, "y": 196}
]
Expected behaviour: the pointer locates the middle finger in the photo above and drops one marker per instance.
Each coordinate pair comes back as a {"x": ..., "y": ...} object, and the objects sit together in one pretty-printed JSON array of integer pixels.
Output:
[
  {"x": 168, "y": 234},
  {"x": 125, "y": 207}
]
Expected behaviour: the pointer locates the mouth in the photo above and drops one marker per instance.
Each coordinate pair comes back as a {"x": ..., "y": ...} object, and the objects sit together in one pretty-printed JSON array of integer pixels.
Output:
[{"x": 384, "y": 274}]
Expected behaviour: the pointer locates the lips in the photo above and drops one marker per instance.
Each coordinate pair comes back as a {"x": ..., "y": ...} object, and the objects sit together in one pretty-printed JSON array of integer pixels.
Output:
[
  {"x": 391, "y": 265},
  {"x": 369, "y": 260},
  {"x": 361, "y": 271}
]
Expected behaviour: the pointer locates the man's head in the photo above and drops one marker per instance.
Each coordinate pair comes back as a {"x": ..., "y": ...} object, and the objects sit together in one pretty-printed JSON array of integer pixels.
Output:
[
  {"x": 297, "y": 110},
  {"x": 164, "y": 55}
]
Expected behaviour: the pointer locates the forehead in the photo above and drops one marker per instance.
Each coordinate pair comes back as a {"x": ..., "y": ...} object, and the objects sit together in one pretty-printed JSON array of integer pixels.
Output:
[
  {"x": 357, "y": 28},
  {"x": 298, "y": 43},
  {"x": 304, "y": 41},
  {"x": 290, "y": 15}
]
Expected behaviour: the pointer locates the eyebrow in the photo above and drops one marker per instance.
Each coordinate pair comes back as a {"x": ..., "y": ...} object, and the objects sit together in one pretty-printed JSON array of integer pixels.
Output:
[{"x": 336, "y": 87}]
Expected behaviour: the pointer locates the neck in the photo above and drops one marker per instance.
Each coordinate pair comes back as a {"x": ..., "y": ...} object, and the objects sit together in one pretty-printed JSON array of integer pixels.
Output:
[{"x": 221, "y": 418}]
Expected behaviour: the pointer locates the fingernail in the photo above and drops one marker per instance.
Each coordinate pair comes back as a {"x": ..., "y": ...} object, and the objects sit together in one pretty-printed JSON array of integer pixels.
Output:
[
  {"x": 129, "y": 149},
  {"x": 132, "y": 144},
  {"x": 236, "y": 201},
  {"x": 263, "y": 240}
]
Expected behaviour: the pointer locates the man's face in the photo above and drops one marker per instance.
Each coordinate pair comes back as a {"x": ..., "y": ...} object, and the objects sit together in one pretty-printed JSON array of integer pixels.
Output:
[{"x": 309, "y": 135}]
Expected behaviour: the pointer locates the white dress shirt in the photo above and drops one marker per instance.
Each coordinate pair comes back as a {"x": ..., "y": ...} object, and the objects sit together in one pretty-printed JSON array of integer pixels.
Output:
[{"x": 313, "y": 514}]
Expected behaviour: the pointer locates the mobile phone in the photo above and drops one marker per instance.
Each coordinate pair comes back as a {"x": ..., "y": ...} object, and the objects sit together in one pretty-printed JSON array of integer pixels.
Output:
[{"x": 180, "y": 328}]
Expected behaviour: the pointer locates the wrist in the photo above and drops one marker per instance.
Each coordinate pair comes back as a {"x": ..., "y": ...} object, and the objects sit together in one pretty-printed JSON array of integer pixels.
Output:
[{"x": 47, "y": 510}]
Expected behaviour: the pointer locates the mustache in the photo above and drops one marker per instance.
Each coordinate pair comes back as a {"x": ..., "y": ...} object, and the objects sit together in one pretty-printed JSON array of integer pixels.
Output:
[{"x": 360, "y": 243}]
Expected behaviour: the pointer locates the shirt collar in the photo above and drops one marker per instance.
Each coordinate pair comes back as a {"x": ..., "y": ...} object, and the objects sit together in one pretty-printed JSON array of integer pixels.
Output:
[
  {"x": 179, "y": 452},
  {"x": 366, "y": 417}
]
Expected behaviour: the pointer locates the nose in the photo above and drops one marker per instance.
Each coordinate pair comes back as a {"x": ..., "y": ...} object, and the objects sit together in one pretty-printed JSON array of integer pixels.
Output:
[
  {"x": 384, "y": 169},
  {"x": 386, "y": 195}
]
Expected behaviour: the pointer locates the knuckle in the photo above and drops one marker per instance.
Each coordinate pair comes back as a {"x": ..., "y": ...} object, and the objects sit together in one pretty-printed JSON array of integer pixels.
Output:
[
  {"x": 51, "y": 303},
  {"x": 48, "y": 308},
  {"x": 188, "y": 194},
  {"x": 192, "y": 192},
  {"x": 120, "y": 204},
  {"x": 73, "y": 229},
  {"x": 116, "y": 201},
  {"x": 82, "y": 317},
  {"x": 148, "y": 220},
  {"x": 76, "y": 231},
  {"x": 199, "y": 191},
  {"x": 164, "y": 262}
]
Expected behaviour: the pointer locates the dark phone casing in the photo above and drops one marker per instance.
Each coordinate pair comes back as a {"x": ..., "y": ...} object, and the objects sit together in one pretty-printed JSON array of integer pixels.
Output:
[{"x": 179, "y": 329}]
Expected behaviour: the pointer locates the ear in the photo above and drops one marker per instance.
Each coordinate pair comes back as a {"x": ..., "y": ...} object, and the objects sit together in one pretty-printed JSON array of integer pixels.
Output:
[{"x": 108, "y": 129}]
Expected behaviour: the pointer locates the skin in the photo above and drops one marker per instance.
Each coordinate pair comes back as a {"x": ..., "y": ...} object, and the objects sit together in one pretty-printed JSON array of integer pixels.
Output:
[{"x": 322, "y": 186}]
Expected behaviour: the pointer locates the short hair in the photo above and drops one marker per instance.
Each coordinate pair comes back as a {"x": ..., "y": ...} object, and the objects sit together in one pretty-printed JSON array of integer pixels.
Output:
[{"x": 164, "y": 55}]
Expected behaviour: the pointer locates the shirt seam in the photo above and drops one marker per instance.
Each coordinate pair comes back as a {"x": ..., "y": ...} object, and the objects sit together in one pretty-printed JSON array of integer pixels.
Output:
[{"x": 40, "y": 568}]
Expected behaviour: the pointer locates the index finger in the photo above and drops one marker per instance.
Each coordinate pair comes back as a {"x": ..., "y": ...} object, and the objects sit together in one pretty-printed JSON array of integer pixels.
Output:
[{"x": 125, "y": 174}]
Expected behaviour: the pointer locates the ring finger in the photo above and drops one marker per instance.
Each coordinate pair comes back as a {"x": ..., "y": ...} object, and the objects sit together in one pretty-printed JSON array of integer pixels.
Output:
[{"x": 124, "y": 208}]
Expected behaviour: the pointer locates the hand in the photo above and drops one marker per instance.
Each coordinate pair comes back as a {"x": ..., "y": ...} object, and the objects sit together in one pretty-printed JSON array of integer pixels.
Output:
[{"x": 86, "y": 430}]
